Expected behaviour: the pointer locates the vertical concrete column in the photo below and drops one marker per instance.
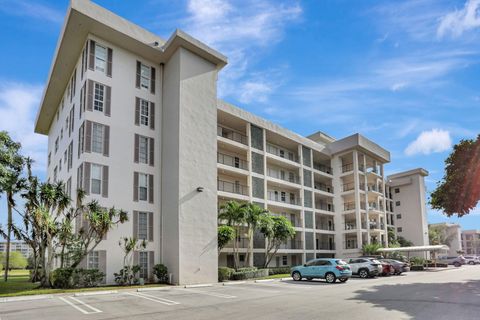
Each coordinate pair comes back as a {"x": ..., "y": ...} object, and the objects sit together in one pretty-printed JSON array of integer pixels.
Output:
[
  {"x": 356, "y": 182},
  {"x": 384, "y": 203},
  {"x": 365, "y": 181}
]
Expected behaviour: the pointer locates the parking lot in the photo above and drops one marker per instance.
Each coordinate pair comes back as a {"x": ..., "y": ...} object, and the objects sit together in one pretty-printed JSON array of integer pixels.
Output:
[{"x": 448, "y": 294}]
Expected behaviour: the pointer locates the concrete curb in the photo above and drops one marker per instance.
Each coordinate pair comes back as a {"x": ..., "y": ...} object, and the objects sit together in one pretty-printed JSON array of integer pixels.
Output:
[
  {"x": 25, "y": 298},
  {"x": 233, "y": 283},
  {"x": 264, "y": 280},
  {"x": 94, "y": 293},
  {"x": 153, "y": 289},
  {"x": 286, "y": 279},
  {"x": 198, "y": 285}
]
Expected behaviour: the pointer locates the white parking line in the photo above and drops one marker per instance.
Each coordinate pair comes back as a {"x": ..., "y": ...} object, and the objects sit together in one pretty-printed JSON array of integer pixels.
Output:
[
  {"x": 213, "y": 294},
  {"x": 94, "y": 310},
  {"x": 153, "y": 298}
]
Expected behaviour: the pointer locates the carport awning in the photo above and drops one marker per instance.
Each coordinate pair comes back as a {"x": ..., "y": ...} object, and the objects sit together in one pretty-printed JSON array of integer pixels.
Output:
[{"x": 440, "y": 247}]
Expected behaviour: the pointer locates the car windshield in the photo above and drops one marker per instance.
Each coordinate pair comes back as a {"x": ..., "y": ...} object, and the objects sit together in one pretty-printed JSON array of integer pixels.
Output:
[
  {"x": 375, "y": 261},
  {"x": 340, "y": 262}
]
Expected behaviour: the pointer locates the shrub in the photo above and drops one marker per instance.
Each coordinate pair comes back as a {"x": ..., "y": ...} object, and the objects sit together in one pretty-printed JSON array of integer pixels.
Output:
[
  {"x": 127, "y": 275},
  {"x": 1, "y": 266},
  {"x": 279, "y": 270},
  {"x": 84, "y": 278},
  {"x": 161, "y": 272},
  {"x": 225, "y": 273},
  {"x": 62, "y": 278},
  {"x": 417, "y": 261},
  {"x": 242, "y": 275},
  {"x": 246, "y": 269}
]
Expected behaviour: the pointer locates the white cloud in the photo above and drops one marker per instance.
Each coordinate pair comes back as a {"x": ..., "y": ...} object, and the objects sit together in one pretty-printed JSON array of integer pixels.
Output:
[
  {"x": 457, "y": 22},
  {"x": 33, "y": 10},
  {"x": 18, "y": 108},
  {"x": 435, "y": 140}
]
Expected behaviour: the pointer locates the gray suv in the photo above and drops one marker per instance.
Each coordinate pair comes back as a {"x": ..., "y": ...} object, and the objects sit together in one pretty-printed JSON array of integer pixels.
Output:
[
  {"x": 456, "y": 261},
  {"x": 365, "y": 267}
]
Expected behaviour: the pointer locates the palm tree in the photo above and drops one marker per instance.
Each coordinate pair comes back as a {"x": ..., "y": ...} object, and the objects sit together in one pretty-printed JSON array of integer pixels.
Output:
[
  {"x": 253, "y": 216},
  {"x": 233, "y": 213}
]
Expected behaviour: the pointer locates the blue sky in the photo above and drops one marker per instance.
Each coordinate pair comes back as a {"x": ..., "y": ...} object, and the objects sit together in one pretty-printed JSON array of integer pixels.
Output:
[{"x": 406, "y": 74}]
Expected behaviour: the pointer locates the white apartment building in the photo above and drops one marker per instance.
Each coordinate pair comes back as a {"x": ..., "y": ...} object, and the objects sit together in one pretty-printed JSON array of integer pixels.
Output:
[
  {"x": 452, "y": 233},
  {"x": 406, "y": 205},
  {"x": 134, "y": 120},
  {"x": 18, "y": 246},
  {"x": 471, "y": 242}
]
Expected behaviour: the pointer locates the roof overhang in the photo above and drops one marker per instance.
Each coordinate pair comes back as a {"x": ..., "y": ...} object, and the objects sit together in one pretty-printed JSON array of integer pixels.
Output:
[
  {"x": 84, "y": 18},
  {"x": 408, "y": 173},
  {"x": 357, "y": 141}
]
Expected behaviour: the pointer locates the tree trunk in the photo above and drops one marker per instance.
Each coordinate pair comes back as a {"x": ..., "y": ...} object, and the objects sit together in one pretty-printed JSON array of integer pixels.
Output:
[
  {"x": 250, "y": 248},
  {"x": 9, "y": 233}
]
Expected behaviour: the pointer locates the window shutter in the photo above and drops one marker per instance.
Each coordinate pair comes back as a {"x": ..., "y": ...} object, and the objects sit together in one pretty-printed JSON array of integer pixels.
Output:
[
  {"x": 72, "y": 120},
  {"x": 109, "y": 62},
  {"x": 84, "y": 101},
  {"x": 151, "y": 261},
  {"x": 80, "y": 177},
  {"x": 83, "y": 263},
  {"x": 137, "y": 81},
  {"x": 78, "y": 223},
  {"x": 107, "y": 100},
  {"x": 102, "y": 263},
  {"x": 90, "y": 95},
  {"x": 106, "y": 141},
  {"x": 135, "y": 224},
  {"x": 135, "y": 258},
  {"x": 135, "y": 186},
  {"x": 91, "y": 63},
  {"x": 150, "y": 188},
  {"x": 88, "y": 136},
  {"x": 150, "y": 226},
  {"x": 80, "y": 142},
  {"x": 152, "y": 151},
  {"x": 136, "y": 148},
  {"x": 152, "y": 115},
  {"x": 137, "y": 111},
  {"x": 86, "y": 177},
  {"x": 81, "y": 103},
  {"x": 105, "y": 182},
  {"x": 152, "y": 81}
]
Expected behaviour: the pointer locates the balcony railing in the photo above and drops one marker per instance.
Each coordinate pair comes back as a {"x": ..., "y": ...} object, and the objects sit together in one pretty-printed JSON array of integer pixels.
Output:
[
  {"x": 232, "y": 187},
  {"x": 289, "y": 155},
  {"x": 347, "y": 167},
  {"x": 324, "y": 206},
  {"x": 231, "y": 161},
  {"x": 277, "y": 197},
  {"x": 351, "y": 206},
  {"x": 373, "y": 187},
  {"x": 240, "y": 243},
  {"x": 352, "y": 225},
  {"x": 325, "y": 245},
  {"x": 292, "y": 244},
  {"x": 322, "y": 167},
  {"x": 323, "y": 187},
  {"x": 232, "y": 135},
  {"x": 350, "y": 244},
  {"x": 348, "y": 186},
  {"x": 325, "y": 226},
  {"x": 287, "y": 177}
]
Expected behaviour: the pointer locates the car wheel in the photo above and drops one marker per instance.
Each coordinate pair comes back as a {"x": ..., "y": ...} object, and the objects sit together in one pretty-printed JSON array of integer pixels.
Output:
[
  {"x": 296, "y": 276},
  {"x": 330, "y": 277},
  {"x": 309, "y": 278},
  {"x": 399, "y": 273},
  {"x": 457, "y": 264},
  {"x": 363, "y": 273},
  {"x": 471, "y": 263},
  {"x": 343, "y": 279}
]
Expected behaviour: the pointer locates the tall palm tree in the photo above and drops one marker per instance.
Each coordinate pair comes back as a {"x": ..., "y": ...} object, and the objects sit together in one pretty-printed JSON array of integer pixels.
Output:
[
  {"x": 253, "y": 216},
  {"x": 233, "y": 213}
]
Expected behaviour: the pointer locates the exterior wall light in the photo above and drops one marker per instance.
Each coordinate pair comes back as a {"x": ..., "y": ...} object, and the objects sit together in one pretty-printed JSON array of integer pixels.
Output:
[{"x": 200, "y": 189}]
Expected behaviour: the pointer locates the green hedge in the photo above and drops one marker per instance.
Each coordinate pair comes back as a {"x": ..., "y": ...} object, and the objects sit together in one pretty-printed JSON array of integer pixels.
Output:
[
  {"x": 76, "y": 278},
  {"x": 279, "y": 270},
  {"x": 225, "y": 273},
  {"x": 243, "y": 275},
  {"x": 247, "y": 269}
]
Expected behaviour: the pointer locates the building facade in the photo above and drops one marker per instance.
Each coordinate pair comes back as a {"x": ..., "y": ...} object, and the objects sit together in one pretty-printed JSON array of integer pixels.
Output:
[
  {"x": 471, "y": 242},
  {"x": 134, "y": 120},
  {"x": 451, "y": 235},
  {"x": 17, "y": 246}
]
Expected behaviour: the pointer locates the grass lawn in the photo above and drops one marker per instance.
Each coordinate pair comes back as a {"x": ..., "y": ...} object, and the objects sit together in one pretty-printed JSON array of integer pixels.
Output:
[
  {"x": 18, "y": 285},
  {"x": 276, "y": 276}
]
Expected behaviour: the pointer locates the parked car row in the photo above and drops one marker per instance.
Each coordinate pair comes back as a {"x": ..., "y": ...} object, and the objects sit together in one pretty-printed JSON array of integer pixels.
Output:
[
  {"x": 458, "y": 261},
  {"x": 332, "y": 269}
]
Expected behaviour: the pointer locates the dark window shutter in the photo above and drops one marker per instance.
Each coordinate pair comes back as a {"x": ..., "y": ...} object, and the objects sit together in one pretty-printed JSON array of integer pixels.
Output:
[
  {"x": 152, "y": 81},
  {"x": 107, "y": 100},
  {"x": 90, "y": 95},
  {"x": 91, "y": 63},
  {"x": 84, "y": 97},
  {"x": 86, "y": 177},
  {"x": 106, "y": 141},
  {"x": 151, "y": 261},
  {"x": 150, "y": 226},
  {"x": 135, "y": 258},
  {"x": 78, "y": 223},
  {"x": 81, "y": 134},
  {"x": 137, "y": 80},
  {"x": 152, "y": 151},
  {"x": 135, "y": 224},
  {"x": 72, "y": 120},
  {"x": 136, "y": 149},
  {"x": 109, "y": 62},
  {"x": 137, "y": 111},
  {"x": 152, "y": 115},
  {"x": 83, "y": 263},
  {"x": 135, "y": 186},
  {"x": 88, "y": 136},
  {"x": 102, "y": 263},
  {"x": 81, "y": 103},
  {"x": 105, "y": 182},
  {"x": 150, "y": 188}
]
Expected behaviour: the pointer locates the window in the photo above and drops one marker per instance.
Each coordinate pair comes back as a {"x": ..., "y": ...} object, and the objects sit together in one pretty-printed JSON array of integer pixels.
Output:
[
  {"x": 92, "y": 262},
  {"x": 81, "y": 133},
  {"x": 397, "y": 203},
  {"x": 284, "y": 260},
  {"x": 143, "y": 149},
  {"x": 100, "y": 57},
  {"x": 144, "y": 112},
  {"x": 143, "y": 186},
  {"x": 70, "y": 155},
  {"x": 242, "y": 258},
  {"x": 143, "y": 263},
  {"x": 99, "y": 97},
  {"x": 145, "y": 76},
  {"x": 69, "y": 187},
  {"x": 399, "y": 216},
  {"x": 56, "y": 145},
  {"x": 399, "y": 229},
  {"x": 60, "y": 165},
  {"x": 397, "y": 190},
  {"x": 55, "y": 174},
  {"x": 97, "y": 138},
  {"x": 96, "y": 179},
  {"x": 61, "y": 134},
  {"x": 143, "y": 225}
]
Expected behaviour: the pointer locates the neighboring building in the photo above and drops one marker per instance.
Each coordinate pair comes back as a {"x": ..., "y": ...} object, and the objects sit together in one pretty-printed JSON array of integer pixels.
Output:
[
  {"x": 18, "y": 246},
  {"x": 406, "y": 205},
  {"x": 471, "y": 242},
  {"x": 134, "y": 120},
  {"x": 452, "y": 235}
]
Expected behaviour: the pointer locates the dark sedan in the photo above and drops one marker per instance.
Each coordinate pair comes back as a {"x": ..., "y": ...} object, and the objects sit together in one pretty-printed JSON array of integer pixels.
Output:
[{"x": 399, "y": 266}]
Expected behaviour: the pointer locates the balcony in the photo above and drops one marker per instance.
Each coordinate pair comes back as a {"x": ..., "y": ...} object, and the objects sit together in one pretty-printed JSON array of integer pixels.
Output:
[
  {"x": 292, "y": 245},
  {"x": 325, "y": 245},
  {"x": 323, "y": 187},
  {"x": 241, "y": 243},
  {"x": 352, "y": 225},
  {"x": 325, "y": 206},
  {"x": 232, "y": 135},
  {"x": 232, "y": 161},
  {"x": 351, "y": 206},
  {"x": 282, "y": 198},
  {"x": 325, "y": 226},
  {"x": 350, "y": 245},
  {"x": 375, "y": 188},
  {"x": 375, "y": 206},
  {"x": 285, "y": 154},
  {"x": 322, "y": 167},
  {"x": 232, "y": 187},
  {"x": 290, "y": 177},
  {"x": 348, "y": 187},
  {"x": 347, "y": 167}
]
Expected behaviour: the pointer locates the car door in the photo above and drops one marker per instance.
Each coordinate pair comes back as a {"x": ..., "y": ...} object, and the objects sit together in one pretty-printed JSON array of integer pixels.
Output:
[
  {"x": 308, "y": 269},
  {"x": 354, "y": 265}
]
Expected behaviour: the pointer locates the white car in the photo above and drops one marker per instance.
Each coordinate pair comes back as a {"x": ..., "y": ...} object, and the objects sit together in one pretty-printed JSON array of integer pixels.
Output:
[
  {"x": 365, "y": 267},
  {"x": 472, "y": 260}
]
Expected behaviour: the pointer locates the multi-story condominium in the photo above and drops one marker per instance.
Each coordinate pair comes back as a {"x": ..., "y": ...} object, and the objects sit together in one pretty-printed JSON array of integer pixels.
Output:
[
  {"x": 134, "y": 120},
  {"x": 18, "y": 246},
  {"x": 471, "y": 242},
  {"x": 406, "y": 205},
  {"x": 452, "y": 235}
]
